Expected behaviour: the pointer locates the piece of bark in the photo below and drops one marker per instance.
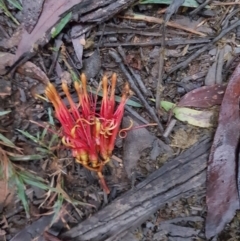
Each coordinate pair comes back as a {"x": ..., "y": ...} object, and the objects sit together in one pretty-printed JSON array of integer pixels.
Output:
[
  {"x": 182, "y": 176},
  {"x": 34, "y": 230}
]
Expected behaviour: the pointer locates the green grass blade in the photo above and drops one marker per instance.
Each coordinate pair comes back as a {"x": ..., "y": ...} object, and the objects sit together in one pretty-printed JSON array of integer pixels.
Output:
[
  {"x": 43, "y": 150},
  {"x": 21, "y": 193},
  {"x": 59, "y": 27},
  {"x": 25, "y": 158},
  {"x": 16, "y": 4},
  {"x": 50, "y": 116},
  {"x": 36, "y": 184},
  {"x": 6, "y": 11},
  {"x": 36, "y": 181},
  {"x": 45, "y": 130},
  {"x": 2, "y": 113},
  {"x": 29, "y": 175},
  {"x": 7, "y": 141},
  {"x": 53, "y": 139},
  {"x": 33, "y": 138},
  {"x": 26, "y": 134},
  {"x": 56, "y": 208}
]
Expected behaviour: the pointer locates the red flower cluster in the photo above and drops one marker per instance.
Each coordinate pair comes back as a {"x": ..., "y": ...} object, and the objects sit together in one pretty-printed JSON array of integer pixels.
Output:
[{"x": 89, "y": 134}]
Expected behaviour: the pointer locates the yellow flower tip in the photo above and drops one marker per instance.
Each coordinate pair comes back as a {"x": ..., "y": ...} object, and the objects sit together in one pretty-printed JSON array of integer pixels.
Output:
[
  {"x": 84, "y": 158},
  {"x": 76, "y": 86},
  {"x": 97, "y": 129},
  {"x": 114, "y": 82},
  {"x": 65, "y": 86},
  {"x": 84, "y": 83},
  {"x": 114, "y": 79},
  {"x": 78, "y": 90},
  {"x": 104, "y": 86},
  {"x": 126, "y": 91},
  {"x": 52, "y": 95}
]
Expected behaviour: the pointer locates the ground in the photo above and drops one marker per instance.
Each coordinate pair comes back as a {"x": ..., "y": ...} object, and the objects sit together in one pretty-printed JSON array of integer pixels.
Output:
[{"x": 48, "y": 179}]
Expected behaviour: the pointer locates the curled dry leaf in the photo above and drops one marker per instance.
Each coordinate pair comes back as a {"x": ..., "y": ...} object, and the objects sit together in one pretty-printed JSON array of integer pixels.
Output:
[
  {"x": 204, "y": 97},
  {"x": 222, "y": 195},
  {"x": 198, "y": 118},
  {"x": 31, "y": 70}
]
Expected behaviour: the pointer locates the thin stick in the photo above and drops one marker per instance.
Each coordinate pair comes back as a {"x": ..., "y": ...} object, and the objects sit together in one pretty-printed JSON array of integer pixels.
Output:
[
  {"x": 200, "y": 7},
  {"x": 160, "y": 21},
  {"x": 118, "y": 60},
  {"x": 169, "y": 127},
  {"x": 185, "y": 63},
  {"x": 173, "y": 42},
  {"x": 136, "y": 77},
  {"x": 225, "y": 4}
]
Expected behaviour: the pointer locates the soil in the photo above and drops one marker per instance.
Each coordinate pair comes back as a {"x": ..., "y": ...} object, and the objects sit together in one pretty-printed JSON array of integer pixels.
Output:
[{"x": 21, "y": 93}]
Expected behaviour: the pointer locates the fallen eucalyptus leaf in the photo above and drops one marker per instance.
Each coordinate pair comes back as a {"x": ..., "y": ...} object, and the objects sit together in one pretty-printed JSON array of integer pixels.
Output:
[
  {"x": 198, "y": 118},
  {"x": 222, "y": 197},
  {"x": 203, "y": 97}
]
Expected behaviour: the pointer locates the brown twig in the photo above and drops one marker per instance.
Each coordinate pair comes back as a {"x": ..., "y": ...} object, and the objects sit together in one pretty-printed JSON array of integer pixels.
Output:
[
  {"x": 133, "y": 86},
  {"x": 160, "y": 21},
  {"x": 160, "y": 71},
  {"x": 185, "y": 63},
  {"x": 225, "y": 22},
  {"x": 225, "y": 4},
  {"x": 173, "y": 42},
  {"x": 200, "y": 7},
  {"x": 136, "y": 77},
  {"x": 135, "y": 114},
  {"x": 55, "y": 55},
  {"x": 169, "y": 127},
  {"x": 130, "y": 31}
]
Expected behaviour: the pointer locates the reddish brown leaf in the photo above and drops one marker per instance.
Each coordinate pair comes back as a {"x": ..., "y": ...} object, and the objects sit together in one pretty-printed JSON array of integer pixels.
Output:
[
  {"x": 51, "y": 14},
  {"x": 204, "y": 97},
  {"x": 133, "y": 61},
  {"x": 222, "y": 195}
]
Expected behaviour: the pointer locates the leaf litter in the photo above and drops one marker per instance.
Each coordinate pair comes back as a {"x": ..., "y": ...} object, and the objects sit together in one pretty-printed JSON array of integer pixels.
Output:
[{"x": 203, "y": 98}]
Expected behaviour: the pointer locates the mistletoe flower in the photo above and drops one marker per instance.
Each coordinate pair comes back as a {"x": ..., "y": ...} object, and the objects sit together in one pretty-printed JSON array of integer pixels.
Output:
[{"x": 90, "y": 135}]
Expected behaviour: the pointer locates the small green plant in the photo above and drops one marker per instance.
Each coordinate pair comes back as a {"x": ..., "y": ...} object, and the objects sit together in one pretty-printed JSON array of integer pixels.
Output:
[
  {"x": 7, "y": 12},
  {"x": 17, "y": 178}
]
